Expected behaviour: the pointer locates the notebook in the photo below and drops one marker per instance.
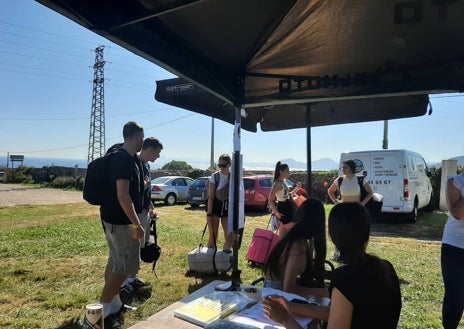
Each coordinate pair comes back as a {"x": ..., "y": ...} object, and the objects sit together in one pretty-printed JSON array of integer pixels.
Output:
[{"x": 204, "y": 310}]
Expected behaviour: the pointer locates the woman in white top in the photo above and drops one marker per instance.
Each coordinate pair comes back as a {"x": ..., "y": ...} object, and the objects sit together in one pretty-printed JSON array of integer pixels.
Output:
[
  {"x": 452, "y": 254},
  {"x": 218, "y": 203},
  {"x": 280, "y": 199},
  {"x": 350, "y": 188}
]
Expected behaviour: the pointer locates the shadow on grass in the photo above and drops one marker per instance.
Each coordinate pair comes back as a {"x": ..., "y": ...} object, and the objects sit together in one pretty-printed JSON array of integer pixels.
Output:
[{"x": 202, "y": 279}]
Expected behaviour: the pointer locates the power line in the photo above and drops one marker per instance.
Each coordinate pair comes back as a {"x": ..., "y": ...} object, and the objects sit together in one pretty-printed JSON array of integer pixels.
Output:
[
  {"x": 112, "y": 138},
  {"x": 45, "y": 32},
  {"x": 77, "y": 118}
]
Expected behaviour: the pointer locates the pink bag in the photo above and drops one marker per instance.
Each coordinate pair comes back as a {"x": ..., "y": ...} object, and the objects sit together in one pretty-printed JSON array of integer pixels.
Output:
[{"x": 262, "y": 243}]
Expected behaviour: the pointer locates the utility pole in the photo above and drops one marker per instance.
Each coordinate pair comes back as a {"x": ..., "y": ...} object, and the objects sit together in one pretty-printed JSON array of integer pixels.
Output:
[
  {"x": 97, "y": 115},
  {"x": 385, "y": 135}
]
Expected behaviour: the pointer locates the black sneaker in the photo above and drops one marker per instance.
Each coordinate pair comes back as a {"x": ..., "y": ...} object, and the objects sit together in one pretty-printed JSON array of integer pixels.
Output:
[
  {"x": 110, "y": 322},
  {"x": 139, "y": 283},
  {"x": 135, "y": 285}
]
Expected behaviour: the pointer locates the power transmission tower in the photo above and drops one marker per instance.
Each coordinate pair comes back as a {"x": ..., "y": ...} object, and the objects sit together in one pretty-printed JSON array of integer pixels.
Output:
[{"x": 97, "y": 115}]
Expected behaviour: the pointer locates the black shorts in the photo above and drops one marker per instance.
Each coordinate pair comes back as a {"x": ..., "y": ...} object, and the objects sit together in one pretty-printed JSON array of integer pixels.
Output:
[
  {"x": 286, "y": 209},
  {"x": 220, "y": 208}
]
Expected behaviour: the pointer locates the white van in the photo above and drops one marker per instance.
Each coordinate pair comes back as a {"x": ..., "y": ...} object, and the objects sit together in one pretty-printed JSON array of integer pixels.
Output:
[{"x": 399, "y": 175}]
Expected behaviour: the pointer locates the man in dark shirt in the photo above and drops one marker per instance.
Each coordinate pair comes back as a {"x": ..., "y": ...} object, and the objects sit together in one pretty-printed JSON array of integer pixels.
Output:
[
  {"x": 150, "y": 152},
  {"x": 122, "y": 226}
]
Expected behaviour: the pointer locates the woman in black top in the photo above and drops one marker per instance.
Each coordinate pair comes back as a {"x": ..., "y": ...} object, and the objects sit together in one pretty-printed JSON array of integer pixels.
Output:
[{"x": 365, "y": 290}]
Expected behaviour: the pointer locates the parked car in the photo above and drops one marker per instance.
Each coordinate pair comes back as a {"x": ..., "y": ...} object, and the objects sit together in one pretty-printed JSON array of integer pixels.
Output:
[
  {"x": 197, "y": 193},
  {"x": 257, "y": 190},
  {"x": 2, "y": 177},
  {"x": 170, "y": 189}
]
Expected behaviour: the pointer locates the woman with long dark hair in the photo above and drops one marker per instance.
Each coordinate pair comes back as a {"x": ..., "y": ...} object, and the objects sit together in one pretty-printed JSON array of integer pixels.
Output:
[
  {"x": 364, "y": 291},
  {"x": 281, "y": 200},
  {"x": 293, "y": 255}
]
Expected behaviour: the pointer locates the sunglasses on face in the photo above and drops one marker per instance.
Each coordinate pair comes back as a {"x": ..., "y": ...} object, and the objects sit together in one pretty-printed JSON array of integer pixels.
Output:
[{"x": 222, "y": 165}]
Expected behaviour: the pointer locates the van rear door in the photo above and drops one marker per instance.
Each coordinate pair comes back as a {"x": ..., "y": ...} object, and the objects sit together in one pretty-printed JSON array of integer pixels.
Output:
[{"x": 387, "y": 176}]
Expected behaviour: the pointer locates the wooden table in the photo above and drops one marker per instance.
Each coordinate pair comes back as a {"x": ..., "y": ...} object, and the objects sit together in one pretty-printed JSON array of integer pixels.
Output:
[{"x": 165, "y": 318}]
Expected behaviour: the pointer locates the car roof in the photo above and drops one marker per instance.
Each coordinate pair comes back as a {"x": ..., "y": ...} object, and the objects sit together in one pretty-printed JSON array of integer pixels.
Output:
[
  {"x": 172, "y": 177},
  {"x": 258, "y": 176}
]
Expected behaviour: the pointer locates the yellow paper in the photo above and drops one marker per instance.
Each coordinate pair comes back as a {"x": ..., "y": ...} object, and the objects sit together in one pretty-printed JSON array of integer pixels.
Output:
[{"x": 206, "y": 309}]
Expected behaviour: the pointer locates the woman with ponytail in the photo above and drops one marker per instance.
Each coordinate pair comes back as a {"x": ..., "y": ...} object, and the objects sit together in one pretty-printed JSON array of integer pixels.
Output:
[{"x": 281, "y": 200}]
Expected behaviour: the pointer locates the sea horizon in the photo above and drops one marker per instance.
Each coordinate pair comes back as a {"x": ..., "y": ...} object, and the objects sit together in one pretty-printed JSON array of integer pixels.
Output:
[{"x": 196, "y": 163}]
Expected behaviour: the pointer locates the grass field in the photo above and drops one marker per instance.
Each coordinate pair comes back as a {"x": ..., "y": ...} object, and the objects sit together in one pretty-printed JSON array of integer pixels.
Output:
[{"x": 52, "y": 261}]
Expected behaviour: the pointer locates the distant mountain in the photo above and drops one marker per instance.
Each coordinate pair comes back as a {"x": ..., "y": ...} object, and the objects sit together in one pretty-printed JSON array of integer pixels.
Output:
[
  {"x": 460, "y": 160},
  {"x": 321, "y": 164}
]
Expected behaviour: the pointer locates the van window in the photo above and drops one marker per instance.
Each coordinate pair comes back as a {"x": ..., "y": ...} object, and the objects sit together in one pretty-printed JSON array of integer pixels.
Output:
[
  {"x": 420, "y": 164},
  {"x": 412, "y": 164}
]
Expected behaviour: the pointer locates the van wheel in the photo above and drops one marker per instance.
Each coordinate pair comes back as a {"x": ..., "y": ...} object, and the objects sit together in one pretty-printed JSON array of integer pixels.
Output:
[
  {"x": 412, "y": 216},
  {"x": 170, "y": 199}
]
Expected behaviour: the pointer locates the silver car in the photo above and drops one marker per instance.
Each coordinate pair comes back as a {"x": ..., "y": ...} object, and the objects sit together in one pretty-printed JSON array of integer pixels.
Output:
[{"x": 170, "y": 189}]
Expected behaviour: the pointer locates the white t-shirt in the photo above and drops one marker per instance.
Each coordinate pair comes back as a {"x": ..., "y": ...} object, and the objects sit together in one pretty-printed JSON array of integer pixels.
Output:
[
  {"x": 453, "y": 234},
  {"x": 349, "y": 186},
  {"x": 223, "y": 179}
]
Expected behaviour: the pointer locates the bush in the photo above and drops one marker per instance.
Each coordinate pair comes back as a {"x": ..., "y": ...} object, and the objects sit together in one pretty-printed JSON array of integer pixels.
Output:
[
  {"x": 195, "y": 173},
  {"x": 22, "y": 174},
  {"x": 177, "y": 165},
  {"x": 67, "y": 182}
]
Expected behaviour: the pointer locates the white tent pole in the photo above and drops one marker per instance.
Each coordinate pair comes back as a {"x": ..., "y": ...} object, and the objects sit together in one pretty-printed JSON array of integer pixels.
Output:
[{"x": 236, "y": 197}]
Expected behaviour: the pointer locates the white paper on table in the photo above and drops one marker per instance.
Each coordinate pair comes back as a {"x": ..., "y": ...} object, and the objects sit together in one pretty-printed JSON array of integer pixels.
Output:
[{"x": 254, "y": 315}]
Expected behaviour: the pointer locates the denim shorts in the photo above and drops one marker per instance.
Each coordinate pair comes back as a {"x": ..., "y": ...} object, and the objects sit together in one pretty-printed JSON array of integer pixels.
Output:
[{"x": 124, "y": 255}]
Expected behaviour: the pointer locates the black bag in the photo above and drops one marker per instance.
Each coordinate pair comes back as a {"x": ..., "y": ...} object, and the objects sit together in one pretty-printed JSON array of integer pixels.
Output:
[
  {"x": 96, "y": 183},
  {"x": 151, "y": 252}
]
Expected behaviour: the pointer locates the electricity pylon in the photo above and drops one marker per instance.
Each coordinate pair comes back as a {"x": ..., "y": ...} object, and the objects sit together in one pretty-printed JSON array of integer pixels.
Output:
[{"x": 97, "y": 115}]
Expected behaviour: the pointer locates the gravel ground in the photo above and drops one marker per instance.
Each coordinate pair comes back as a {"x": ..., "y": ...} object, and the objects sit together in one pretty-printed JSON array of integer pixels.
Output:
[{"x": 15, "y": 194}]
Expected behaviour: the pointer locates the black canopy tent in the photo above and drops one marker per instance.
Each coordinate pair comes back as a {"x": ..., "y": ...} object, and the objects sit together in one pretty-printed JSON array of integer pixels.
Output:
[
  {"x": 259, "y": 52},
  {"x": 184, "y": 94},
  {"x": 252, "y": 53}
]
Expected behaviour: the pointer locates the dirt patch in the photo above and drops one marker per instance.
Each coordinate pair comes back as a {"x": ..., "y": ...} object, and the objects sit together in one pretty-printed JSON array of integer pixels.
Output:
[{"x": 15, "y": 194}]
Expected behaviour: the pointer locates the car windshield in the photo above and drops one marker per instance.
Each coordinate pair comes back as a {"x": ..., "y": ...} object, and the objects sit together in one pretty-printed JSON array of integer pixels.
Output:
[{"x": 160, "y": 180}]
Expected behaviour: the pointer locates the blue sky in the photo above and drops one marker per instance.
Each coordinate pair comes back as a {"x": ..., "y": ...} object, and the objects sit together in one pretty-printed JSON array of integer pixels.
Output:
[{"x": 46, "y": 92}]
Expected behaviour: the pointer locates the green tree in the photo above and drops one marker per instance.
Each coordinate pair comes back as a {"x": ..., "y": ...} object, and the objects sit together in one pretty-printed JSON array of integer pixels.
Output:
[{"x": 177, "y": 165}]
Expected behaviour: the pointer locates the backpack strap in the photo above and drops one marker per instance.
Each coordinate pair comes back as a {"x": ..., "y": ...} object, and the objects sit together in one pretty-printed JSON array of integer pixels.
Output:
[
  {"x": 340, "y": 181},
  {"x": 217, "y": 178},
  {"x": 361, "y": 187}
]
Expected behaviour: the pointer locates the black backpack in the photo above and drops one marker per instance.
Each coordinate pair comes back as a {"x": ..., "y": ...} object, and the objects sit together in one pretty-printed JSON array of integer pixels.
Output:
[{"x": 96, "y": 182}]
